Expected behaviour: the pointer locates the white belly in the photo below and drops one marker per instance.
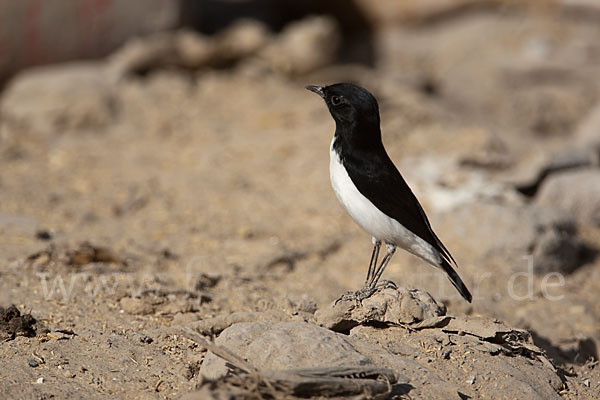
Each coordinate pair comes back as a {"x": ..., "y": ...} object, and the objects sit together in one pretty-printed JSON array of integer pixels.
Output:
[{"x": 371, "y": 219}]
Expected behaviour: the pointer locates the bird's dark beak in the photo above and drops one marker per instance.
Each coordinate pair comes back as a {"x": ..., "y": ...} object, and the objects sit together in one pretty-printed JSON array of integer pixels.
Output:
[{"x": 317, "y": 89}]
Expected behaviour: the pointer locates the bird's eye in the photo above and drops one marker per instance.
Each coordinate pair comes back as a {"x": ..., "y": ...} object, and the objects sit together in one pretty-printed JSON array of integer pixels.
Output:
[{"x": 335, "y": 100}]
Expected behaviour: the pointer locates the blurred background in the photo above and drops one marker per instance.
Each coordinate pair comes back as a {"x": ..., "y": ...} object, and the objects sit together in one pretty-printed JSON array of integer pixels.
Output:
[{"x": 170, "y": 145}]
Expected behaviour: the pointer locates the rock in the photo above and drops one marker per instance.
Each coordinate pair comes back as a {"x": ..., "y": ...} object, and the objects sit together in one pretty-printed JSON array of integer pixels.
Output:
[
  {"x": 58, "y": 99},
  {"x": 284, "y": 346},
  {"x": 557, "y": 251},
  {"x": 281, "y": 346},
  {"x": 301, "y": 48},
  {"x": 486, "y": 329},
  {"x": 87, "y": 253},
  {"x": 506, "y": 358},
  {"x": 550, "y": 111},
  {"x": 143, "y": 54},
  {"x": 242, "y": 39},
  {"x": 215, "y": 325},
  {"x": 387, "y": 306},
  {"x": 530, "y": 176},
  {"x": 430, "y": 384},
  {"x": 587, "y": 8},
  {"x": 512, "y": 232},
  {"x": 304, "y": 46},
  {"x": 193, "y": 50},
  {"x": 588, "y": 131},
  {"x": 576, "y": 192},
  {"x": 135, "y": 306}
]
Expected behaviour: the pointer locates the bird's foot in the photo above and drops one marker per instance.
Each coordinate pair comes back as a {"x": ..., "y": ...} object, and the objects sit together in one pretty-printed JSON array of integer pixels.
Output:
[
  {"x": 358, "y": 295},
  {"x": 366, "y": 292}
]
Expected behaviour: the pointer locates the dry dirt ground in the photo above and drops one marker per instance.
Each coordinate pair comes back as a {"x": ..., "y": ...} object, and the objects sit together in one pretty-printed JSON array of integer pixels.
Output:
[{"x": 135, "y": 202}]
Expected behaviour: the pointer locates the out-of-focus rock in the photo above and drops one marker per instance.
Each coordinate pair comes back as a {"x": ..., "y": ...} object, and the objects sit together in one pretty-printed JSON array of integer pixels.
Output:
[
  {"x": 576, "y": 192},
  {"x": 189, "y": 49},
  {"x": 57, "y": 99},
  {"x": 581, "y": 7},
  {"x": 304, "y": 46},
  {"x": 386, "y": 306},
  {"x": 528, "y": 178},
  {"x": 588, "y": 131},
  {"x": 550, "y": 111},
  {"x": 193, "y": 49},
  {"x": 558, "y": 251},
  {"x": 142, "y": 54},
  {"x": 492, "y": 154},
  {"x": 242, "y": 39},
  {"x": 136, "y": 306},
  {"x": 514, "y": 232}
]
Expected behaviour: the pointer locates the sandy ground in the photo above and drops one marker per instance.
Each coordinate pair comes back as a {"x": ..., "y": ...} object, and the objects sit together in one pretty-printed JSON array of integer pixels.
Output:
[{"x": 181, "y": 195}]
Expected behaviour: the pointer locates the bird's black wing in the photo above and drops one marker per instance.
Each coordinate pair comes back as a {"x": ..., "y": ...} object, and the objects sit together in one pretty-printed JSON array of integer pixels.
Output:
[{"x": 376, "y": 177}]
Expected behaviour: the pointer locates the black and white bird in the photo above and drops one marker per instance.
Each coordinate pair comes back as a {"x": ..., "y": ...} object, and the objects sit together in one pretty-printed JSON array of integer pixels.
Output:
[{"x": 371, "y": 189}]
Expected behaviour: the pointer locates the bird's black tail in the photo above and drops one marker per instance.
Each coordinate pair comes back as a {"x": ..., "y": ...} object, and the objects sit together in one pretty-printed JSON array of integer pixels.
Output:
[{"x": 456, "y": 281}]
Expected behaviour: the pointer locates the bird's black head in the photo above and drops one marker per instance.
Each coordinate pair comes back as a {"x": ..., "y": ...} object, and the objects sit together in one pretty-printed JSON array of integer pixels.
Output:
[{"x": 354, "y": 109}]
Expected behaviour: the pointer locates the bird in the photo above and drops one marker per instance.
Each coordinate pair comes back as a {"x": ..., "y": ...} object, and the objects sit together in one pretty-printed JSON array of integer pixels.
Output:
[{"x": 372, "y": 190}]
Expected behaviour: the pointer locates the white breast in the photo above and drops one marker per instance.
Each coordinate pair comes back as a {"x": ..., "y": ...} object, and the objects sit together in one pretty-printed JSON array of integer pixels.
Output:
[{"x": 371, "y": 219}]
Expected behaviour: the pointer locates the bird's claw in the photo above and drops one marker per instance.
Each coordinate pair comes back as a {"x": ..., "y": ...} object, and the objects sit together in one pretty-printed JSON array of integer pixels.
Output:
[
  {"x": 358, "y": 295},
  {"x": 365, "y": 292}
]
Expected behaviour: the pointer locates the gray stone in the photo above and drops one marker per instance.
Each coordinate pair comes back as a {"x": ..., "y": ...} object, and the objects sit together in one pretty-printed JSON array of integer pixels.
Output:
[
  {"x": 280, "y": 346},
  {"x": 576, "y": 192},
  {"x": 588, "y": 130},
  {"x": 511, "y": 233},
  {"x": 283, "y": 345},
  {"x": 304, "y": 46},
  {"x": 57, "y": 99}
]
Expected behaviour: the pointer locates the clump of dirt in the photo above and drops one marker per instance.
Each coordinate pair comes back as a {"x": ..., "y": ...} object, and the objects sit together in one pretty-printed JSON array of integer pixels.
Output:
[
  {"x": 13, "y": 324},
  {"x": 87, "y": 253}
]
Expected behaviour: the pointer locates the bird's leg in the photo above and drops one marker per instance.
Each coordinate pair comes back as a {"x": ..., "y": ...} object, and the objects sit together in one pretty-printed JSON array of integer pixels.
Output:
[
  {"x": 377, "y": 273},
  {"x": 373, "y": 275},
  {"x": 373, "y": 263}
]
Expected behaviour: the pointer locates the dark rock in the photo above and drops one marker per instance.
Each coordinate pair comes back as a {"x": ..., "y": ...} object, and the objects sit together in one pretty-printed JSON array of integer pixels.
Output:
[
  {"x": 557, "y": 251},
  {"x": 69, "y": 97},
  {"x": 43, "y": 235}
]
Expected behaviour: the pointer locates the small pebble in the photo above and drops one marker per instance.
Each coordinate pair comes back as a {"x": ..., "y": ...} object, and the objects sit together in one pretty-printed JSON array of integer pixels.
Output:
[
  {"x": 146, "y": 339},
  {"x": 32, "y": 363},
  {"x": 446, "y": 354},
  {"x": 39, "y": 380}
]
